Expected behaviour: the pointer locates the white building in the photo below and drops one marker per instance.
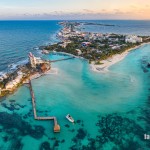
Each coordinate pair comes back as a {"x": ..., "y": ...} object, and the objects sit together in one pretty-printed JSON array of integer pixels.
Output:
[
  {"x": 79, "y": 51},
  {"x": 9, "y": 85},
  {"x": 35, "y": 60},
  {"x": 133, "y": 39},
  {"x": 1, "y": 78},
  {"x": 32, "y": 60}
]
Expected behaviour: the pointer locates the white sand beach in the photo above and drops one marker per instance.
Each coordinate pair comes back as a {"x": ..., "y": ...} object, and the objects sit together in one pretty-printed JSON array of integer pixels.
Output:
[{"x": 103, "y": 68}]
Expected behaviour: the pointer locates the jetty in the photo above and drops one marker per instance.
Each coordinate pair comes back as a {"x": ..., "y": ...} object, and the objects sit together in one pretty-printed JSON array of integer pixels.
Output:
[
  {"x": 56, "y": 125},
  {"x": 62, "y": 59}
]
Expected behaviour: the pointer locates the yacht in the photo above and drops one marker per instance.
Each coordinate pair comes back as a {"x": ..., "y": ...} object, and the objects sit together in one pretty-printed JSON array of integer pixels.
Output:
[{"x": 70, "y": 118}]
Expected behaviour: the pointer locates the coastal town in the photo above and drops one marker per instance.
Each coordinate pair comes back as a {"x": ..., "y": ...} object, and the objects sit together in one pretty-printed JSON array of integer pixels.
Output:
[
  {"x": 94, "y": 47},
  {"x": 101, "y": 50}
]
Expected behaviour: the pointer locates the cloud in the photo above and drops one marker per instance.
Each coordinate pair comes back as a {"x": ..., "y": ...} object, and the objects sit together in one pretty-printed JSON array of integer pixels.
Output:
[
  {"x": 88, "y": 11},
  {"x": 78, "y": 15}
]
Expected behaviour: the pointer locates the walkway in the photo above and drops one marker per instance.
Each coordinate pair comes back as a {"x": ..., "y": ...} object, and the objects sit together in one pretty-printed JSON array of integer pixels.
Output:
[
  {"x": 56, "y": 125},
  {"x": 62, "y": 59}
]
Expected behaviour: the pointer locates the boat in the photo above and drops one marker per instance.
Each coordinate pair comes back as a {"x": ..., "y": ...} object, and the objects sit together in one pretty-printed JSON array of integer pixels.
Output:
[{"x": 70, "y": 118}]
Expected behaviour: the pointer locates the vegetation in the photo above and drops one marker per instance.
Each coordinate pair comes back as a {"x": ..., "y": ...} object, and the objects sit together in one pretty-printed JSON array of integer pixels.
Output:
[{"x": 98, "y": 49}]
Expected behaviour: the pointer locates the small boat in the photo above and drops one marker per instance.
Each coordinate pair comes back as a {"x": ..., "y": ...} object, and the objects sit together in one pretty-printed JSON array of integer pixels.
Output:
[{"x": 70, "y": 118}]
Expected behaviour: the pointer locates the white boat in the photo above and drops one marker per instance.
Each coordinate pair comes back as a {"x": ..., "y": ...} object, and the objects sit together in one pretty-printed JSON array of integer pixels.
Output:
[{"x": 70, "y": 118}]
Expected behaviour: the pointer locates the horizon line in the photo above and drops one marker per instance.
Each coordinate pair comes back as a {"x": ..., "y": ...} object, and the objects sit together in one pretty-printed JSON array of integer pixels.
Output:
[{"x": 74, "y": 19}]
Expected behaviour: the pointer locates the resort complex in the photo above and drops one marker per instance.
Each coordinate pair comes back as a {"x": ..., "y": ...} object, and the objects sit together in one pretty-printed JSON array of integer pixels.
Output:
[{"x": 35, "y": 67}]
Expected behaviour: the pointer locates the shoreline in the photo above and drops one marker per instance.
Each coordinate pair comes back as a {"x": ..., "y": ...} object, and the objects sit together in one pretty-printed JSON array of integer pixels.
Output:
[
  {"x": 25, "y": 81},
  {"x": 101, "y": 68},
  {"x": 107, "y": 63}
]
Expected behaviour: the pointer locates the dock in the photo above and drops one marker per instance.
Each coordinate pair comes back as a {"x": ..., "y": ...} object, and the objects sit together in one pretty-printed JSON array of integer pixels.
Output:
[
  {"x": 62, "y": 59},
  {"x": 56, "y": 125}
]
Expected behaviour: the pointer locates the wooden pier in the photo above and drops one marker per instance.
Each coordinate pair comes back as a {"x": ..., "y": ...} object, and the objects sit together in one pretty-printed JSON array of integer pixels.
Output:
[
  {"x": 56, "y": 125},
  {"x": 62, "y": 59}
]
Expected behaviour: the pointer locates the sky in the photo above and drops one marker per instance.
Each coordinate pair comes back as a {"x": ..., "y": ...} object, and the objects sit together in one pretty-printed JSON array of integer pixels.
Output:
[{"x": 74, "y": 9}]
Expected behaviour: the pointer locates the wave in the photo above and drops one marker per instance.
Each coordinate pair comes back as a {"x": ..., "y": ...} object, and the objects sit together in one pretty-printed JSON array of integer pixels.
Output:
[
  {"x": 2, "y": 73},
  {"x": 15, "y": 66}
]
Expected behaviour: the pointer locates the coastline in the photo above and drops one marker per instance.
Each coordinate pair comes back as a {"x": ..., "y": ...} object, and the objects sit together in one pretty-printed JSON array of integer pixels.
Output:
[
  {"x": 101, "y": 68},
  {"x": 104, "y": 67},
  {"x": 26, "y": 80}
]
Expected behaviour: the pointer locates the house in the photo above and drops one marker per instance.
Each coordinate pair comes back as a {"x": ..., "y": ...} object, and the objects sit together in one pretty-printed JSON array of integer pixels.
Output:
[
  {"x": 133, "y": 39},
  {"x": 44, "y": 67},
  {"x": 14, "y": 82},
  {"x": 36, "y": 61},
  {"x": 115, "y": 47},
  {"x": 64, "y": 44},
  {"x": 9, "y": 85},
  {"x": 1, "y": 78},
  {"x": 79, "y": 51},
  {"x": 84, "y": 44}
]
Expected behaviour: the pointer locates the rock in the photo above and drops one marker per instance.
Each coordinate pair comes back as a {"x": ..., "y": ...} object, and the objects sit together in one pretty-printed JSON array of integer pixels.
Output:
[
  {"x": 45, "y": 146},
  {"x": 148, "y": 65},
  {"x": 67, "y": 126}
]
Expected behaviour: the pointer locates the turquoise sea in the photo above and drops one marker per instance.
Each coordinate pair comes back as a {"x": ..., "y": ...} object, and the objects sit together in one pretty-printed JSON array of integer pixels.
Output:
[{"x": 111, "y": 110}]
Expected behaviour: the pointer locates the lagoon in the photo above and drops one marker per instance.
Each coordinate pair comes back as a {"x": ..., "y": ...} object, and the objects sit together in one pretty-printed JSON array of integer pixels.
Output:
[{"x": 111, "y": 109}]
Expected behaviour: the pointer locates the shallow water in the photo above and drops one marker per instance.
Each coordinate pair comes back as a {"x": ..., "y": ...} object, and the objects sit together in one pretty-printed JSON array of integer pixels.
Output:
[{"x": 111, "y": 110}]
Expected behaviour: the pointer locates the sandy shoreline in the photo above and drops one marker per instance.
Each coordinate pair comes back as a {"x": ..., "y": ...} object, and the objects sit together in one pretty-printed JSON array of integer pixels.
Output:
[{"x": 103, "y": 68}]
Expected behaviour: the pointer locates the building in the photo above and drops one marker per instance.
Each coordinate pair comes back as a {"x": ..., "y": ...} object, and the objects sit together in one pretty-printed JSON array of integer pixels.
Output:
[
  {"x": 79, "y": 51},
  {"x": 133, "y": 39},
  {"x": 84, "y": 44},
  {"x": 32, "y": 60},
  {"x": 1, "y": 78},
  {"x": 9, "y": 85},
  {"x": 44, "y": 67},
  {"x": 14, "y": 82},
  {"x": 65, "y": 43},
  {"x": 36, "y": 61}
]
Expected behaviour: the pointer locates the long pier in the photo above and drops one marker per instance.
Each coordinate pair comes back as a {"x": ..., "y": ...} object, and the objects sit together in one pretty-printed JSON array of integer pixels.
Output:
[
  {"x": 62, "y": 59},
  {"x": 56, "y": 125}
]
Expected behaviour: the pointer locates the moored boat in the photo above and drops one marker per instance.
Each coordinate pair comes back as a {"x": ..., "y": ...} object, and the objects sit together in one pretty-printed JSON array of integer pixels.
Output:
[{"x": 70, "y": 118}]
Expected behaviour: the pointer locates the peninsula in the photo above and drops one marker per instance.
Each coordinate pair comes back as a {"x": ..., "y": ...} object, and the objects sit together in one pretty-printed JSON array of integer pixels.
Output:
[{"x": 101, "y": 50}]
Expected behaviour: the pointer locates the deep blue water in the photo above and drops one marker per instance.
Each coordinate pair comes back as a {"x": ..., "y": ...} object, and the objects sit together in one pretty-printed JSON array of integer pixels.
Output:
[
  {"x": 136, "y": 27},
  {"x": 17, "y": 38}
]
